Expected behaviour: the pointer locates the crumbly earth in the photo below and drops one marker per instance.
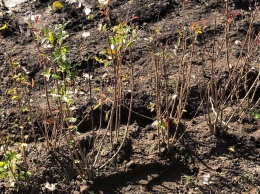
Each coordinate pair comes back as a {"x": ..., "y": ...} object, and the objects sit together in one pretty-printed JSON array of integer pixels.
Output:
[{"x": 199, "y": 162}]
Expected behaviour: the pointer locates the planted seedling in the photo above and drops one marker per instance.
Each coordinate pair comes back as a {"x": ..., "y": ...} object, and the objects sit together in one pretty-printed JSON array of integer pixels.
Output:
[{"x": 256, "y": 114}]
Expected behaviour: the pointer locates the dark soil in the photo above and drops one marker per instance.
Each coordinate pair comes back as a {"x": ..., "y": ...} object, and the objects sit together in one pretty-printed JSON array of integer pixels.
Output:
[{"x": 230, "y": 158}]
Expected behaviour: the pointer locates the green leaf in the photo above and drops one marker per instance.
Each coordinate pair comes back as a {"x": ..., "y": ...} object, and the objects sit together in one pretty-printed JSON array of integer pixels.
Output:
[
  {"x": 2, "y": 164},
  {"x": 65, "y": 98},
  {"x": 22, "y": 173},
  {"x": 14, "y": 97},
  {"x": 63, "y": 50},
  {"x": 160, "y": 125},
  {"x": 70, "y": 142},
  {"x": 55, "y": 95},
  {"x": 15, "y": 77},
  {"x": 3, "y": 27},
  {"x": 231, "y": 148},
  {"x": 97, "y": 105},
  {"x": 98, "y": 59},
  {"x": 50, "y": 37},
  {"x": 10, "y": 91},
  {"x": 55, "y": 76},
  {"x": 4, "y": 174},
  {"x": 72, "y": 119},
  {"x": 129, "y": 44},
  {"x": 64, "y": 66},
  {"x": 47, "y": 72},
  {"x": 29, "y": 173},
  {"x": 256, "y": 114}
]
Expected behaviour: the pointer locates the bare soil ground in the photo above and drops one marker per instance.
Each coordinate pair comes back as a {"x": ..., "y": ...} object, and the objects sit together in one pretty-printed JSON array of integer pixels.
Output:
[{"x": 230, "y": 159}]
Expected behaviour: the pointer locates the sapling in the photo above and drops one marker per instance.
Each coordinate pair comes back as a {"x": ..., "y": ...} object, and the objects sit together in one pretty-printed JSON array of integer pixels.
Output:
[{"x": 120, "y": 38}]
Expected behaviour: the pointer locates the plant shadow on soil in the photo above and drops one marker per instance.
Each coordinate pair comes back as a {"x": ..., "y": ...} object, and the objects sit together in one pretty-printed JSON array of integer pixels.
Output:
[
  {"x": 182, "y": 160},
  {"x": 156, "y": 173}
]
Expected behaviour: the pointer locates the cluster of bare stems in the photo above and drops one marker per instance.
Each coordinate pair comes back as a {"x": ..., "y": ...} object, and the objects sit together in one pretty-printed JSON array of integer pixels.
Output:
[
  {"x": 218, "y": 96},
  {"x": 214, "y": 97},
  {"x": 174, "y": 103}
]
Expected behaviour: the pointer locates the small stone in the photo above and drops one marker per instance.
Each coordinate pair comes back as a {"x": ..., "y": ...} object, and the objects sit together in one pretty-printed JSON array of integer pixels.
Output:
[
  {"x": 128, "y": 188},
  {"x": 83, "y": 188},
  {"x": 104, "y": 76},
  {"x": 143, "y": 182},
  {"x": 130, "y": 164},
  {"x": 151, "y": 136},
  {"x": 78, "y": 177}
]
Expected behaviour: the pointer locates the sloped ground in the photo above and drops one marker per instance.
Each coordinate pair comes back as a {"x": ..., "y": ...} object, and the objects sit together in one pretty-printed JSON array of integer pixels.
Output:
[{"x": 230, "y": 160}]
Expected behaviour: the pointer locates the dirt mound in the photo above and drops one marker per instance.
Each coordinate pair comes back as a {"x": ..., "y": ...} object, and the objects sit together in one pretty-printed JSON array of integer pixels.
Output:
[{"x": 190, "y": 67}]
